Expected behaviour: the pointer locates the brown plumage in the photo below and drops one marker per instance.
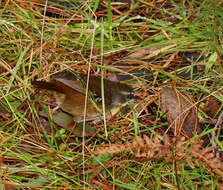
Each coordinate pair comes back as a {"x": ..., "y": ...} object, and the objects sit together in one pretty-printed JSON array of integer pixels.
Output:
[{"x": 70, "y": 94}]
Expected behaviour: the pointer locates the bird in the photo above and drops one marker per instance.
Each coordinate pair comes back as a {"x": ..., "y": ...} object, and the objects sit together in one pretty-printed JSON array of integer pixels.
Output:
[{"x": 70, "y": 91}]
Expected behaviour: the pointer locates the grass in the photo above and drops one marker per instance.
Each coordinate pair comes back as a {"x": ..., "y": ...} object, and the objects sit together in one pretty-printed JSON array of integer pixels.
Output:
[{"x": 92, "y": 35}]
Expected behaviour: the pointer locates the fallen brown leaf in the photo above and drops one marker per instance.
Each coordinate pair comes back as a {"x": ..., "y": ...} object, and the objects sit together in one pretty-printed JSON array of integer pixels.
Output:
[
  {"x": 148, "y": 53},
  {"x": 181, "y": 112},
  {"x": 212, "y": 105}
]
